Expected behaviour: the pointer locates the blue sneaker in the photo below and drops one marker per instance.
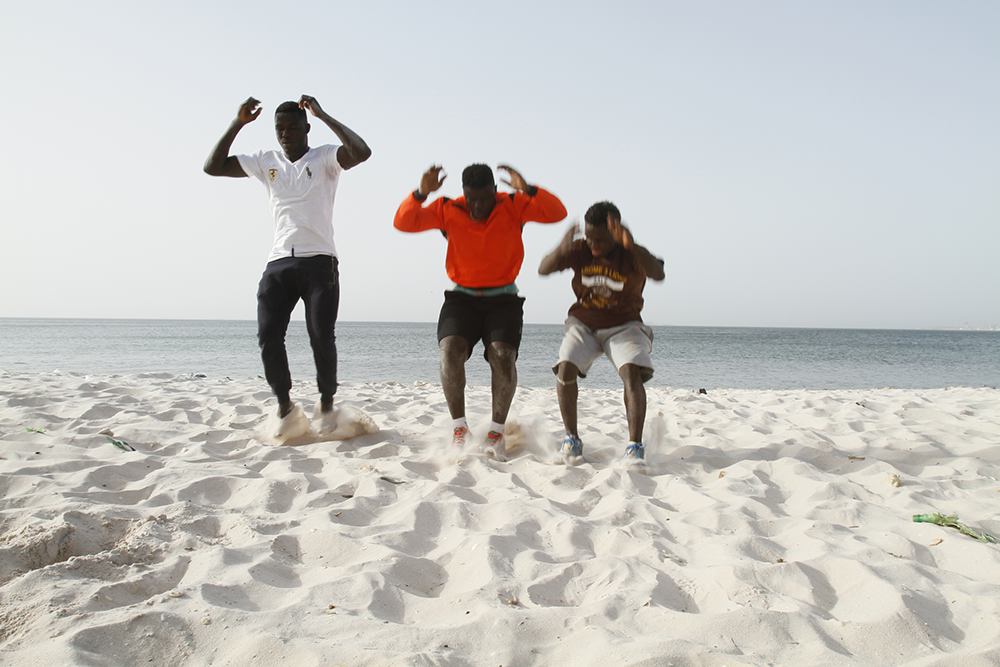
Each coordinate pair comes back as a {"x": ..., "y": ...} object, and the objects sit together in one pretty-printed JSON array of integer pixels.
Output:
[
  {"x": 572, "y": 446},
  {"x": 636, "y": 451}
]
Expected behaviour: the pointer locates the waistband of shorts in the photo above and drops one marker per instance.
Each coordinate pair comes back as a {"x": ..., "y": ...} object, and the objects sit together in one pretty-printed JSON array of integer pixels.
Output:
[
  {"x": 487, "y": 291},
  {"x": 298, "y": 259}
]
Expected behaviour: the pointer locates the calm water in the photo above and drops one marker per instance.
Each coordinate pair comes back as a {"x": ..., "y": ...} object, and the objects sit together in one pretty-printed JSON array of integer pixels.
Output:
[{"x": 406, "y": 352}]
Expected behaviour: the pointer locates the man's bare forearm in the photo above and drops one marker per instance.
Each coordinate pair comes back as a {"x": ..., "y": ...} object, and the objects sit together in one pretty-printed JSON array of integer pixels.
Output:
[
  {"x": 355, "y": 147},
  {"x": 651, "y": 265},
  {"x": 220, "y": 163},
  {"x": 550, "y": 262}
]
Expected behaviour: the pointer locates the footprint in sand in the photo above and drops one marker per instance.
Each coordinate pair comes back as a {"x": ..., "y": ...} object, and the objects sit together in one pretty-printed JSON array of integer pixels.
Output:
[
  {"x": 139, "y": 589},
  {"x": 280, "y": 496},
  {"x": 306, "y": 465},
  {"x": 117, "y": 477},
  {"x": 125, "y": 497},
  {"x": 560, "y": 590},
  {"x": 213, "y": 491},
  {"x": 78, "y": 534},
  {"x": 275, "y": 574},
  {"x": 286, "y": 549},
  {"x": 211, "y": 437},
  {"x": 385, "y": 450},
  {"x": 667, "y": 593},
  {"x": 28, "y": 402},
  {"x": 417, "y": 576},
  {"x": 100, "y": 412},
  {"x": 228, "y": 597},
  {"x": 166, "y": 636}
]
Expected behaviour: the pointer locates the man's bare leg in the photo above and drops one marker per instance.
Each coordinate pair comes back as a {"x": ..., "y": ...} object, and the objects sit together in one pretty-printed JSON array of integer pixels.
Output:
[
  {"x": 503, "y": 366},
  {"x": 635, "y": 400},
  {"x": 567, "y": 390},
  {"x": 454, "y": 352}
]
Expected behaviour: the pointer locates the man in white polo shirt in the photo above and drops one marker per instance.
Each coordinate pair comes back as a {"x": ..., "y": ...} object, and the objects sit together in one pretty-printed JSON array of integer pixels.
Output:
[{"x": 301, "y": 184}]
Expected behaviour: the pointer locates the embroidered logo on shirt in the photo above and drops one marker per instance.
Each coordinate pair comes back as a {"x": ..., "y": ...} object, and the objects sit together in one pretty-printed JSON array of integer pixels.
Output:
[{"x": 272, "y": 174}]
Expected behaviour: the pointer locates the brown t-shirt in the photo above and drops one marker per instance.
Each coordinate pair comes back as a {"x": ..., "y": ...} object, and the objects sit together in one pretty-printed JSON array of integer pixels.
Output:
[{"x": 608, "y": 289}]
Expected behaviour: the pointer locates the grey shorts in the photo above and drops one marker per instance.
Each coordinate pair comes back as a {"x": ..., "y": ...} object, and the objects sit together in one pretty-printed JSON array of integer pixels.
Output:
[{"x": 630, "y": 343}]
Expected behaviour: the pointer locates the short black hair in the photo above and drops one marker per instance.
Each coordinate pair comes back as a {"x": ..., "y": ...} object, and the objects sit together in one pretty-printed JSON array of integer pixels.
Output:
[
  {"x": 291, "y": 107},
  {"x": 597, "y": 215},
  {"x": 477, "y": 176}
]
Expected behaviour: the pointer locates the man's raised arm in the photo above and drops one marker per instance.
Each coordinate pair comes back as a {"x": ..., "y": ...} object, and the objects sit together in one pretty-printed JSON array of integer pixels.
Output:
[
  {"x": 412, "y": 215},
  {"x": 651, "y": 265},
  {"x": 353, "y": 150},
  {"x": 556, "y": 260},
  {"x": 539, "y": 205},
  {"x": 220, "y": 162}
]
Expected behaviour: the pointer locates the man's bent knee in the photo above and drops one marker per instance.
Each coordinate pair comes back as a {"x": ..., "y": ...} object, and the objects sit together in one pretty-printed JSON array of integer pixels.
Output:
[
  {"x": 631, "y": 374},
  {"x": 567, "y": 372},
  {"x": 454, "y": 348},
  {"x": 271, "y": 336},
  {"x": 502, "y": 354}
]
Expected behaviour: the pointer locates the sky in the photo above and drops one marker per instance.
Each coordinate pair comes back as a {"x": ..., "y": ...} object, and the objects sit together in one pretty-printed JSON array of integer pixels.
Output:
[{"x": 802, "y": 164}]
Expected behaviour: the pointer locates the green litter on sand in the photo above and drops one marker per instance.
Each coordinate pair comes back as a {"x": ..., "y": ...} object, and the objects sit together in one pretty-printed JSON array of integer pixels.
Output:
[
  {"x": 33, "y": 429},
  {"x": 120, "y": 444},
  {"x": 951, "y": 521}
]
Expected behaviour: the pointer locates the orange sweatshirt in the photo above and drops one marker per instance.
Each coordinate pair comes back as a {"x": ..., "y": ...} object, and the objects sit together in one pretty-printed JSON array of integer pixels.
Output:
[{"x": 481, "y": 254}]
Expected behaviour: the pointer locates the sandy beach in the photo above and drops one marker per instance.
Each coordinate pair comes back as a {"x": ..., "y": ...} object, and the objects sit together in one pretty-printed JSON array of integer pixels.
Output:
[{"x": 769, "y": 527}]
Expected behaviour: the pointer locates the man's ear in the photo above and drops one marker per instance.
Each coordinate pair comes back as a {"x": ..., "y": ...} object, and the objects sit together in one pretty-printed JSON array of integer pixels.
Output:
[{"x": 308, "y": 127}]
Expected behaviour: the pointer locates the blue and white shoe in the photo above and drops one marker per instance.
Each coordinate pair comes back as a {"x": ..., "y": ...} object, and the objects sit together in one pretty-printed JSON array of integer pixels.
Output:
[
  {"x": 635, "y": 452},
  {"x": 572, "y": 448}
]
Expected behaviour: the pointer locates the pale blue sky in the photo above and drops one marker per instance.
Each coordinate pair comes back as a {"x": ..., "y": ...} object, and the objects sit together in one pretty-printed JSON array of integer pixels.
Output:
[{"x": 831, "y": 164}]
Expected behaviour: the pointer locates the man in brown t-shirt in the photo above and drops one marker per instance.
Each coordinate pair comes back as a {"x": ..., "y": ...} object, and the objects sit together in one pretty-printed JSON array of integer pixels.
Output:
[{"x": 609, "y": 274}]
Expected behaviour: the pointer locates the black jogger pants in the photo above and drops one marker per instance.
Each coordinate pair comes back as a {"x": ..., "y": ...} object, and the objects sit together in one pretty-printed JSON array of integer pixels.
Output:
[{"x": 315, "y": 280}]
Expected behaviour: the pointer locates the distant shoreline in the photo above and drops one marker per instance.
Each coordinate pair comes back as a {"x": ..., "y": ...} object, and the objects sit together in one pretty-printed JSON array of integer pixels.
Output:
[
  {"x": 733, "y": 357},
  {"x": 950, "y": 329}
]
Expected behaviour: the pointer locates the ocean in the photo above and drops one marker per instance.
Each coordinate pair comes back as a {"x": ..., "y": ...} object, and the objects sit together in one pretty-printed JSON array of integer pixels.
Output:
[{"x": 684, "y": 357}]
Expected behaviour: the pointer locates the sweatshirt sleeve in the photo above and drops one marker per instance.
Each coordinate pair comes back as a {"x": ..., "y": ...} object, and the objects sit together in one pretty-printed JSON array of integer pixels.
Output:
[
  {"x": 413, "y": 216},
  {"x": 542, "y": 206},
  {"x": 574, "y": 258}
]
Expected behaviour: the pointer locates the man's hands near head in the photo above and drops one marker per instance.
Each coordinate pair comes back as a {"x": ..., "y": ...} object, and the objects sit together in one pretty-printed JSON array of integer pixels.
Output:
[
  {"x": 431, "y": 180},
  {"x": 310, "y": 104},
  {"x": 516, "y": 180},
  {"x": 620, "y": 232},
  {"x": 248, "y": 111}
]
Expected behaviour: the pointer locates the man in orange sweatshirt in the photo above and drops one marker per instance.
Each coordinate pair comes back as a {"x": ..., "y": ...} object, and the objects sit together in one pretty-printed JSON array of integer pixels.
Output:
[{"x": 485, "y": 251}]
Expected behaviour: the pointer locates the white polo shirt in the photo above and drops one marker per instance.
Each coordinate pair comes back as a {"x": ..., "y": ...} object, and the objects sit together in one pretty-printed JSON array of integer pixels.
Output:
[{"x": 301, "y": 196}]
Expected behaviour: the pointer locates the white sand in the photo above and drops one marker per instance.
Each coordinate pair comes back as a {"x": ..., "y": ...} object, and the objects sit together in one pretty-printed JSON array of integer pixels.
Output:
[{"x": 765, "y": 530}]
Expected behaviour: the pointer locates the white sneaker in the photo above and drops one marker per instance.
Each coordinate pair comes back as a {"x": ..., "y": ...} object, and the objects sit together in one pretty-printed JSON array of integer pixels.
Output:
[
  {"x": 325, "y": 422},
  {"x": 459, "y": 435},
  {"x": 494, "y": 446},
  {"x": 343, "y": 423},
  {"x": 293, "y": 425}
]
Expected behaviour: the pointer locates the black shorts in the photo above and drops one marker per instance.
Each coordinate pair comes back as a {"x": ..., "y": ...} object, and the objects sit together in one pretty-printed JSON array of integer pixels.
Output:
[{"x": 490, "y": 318}]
